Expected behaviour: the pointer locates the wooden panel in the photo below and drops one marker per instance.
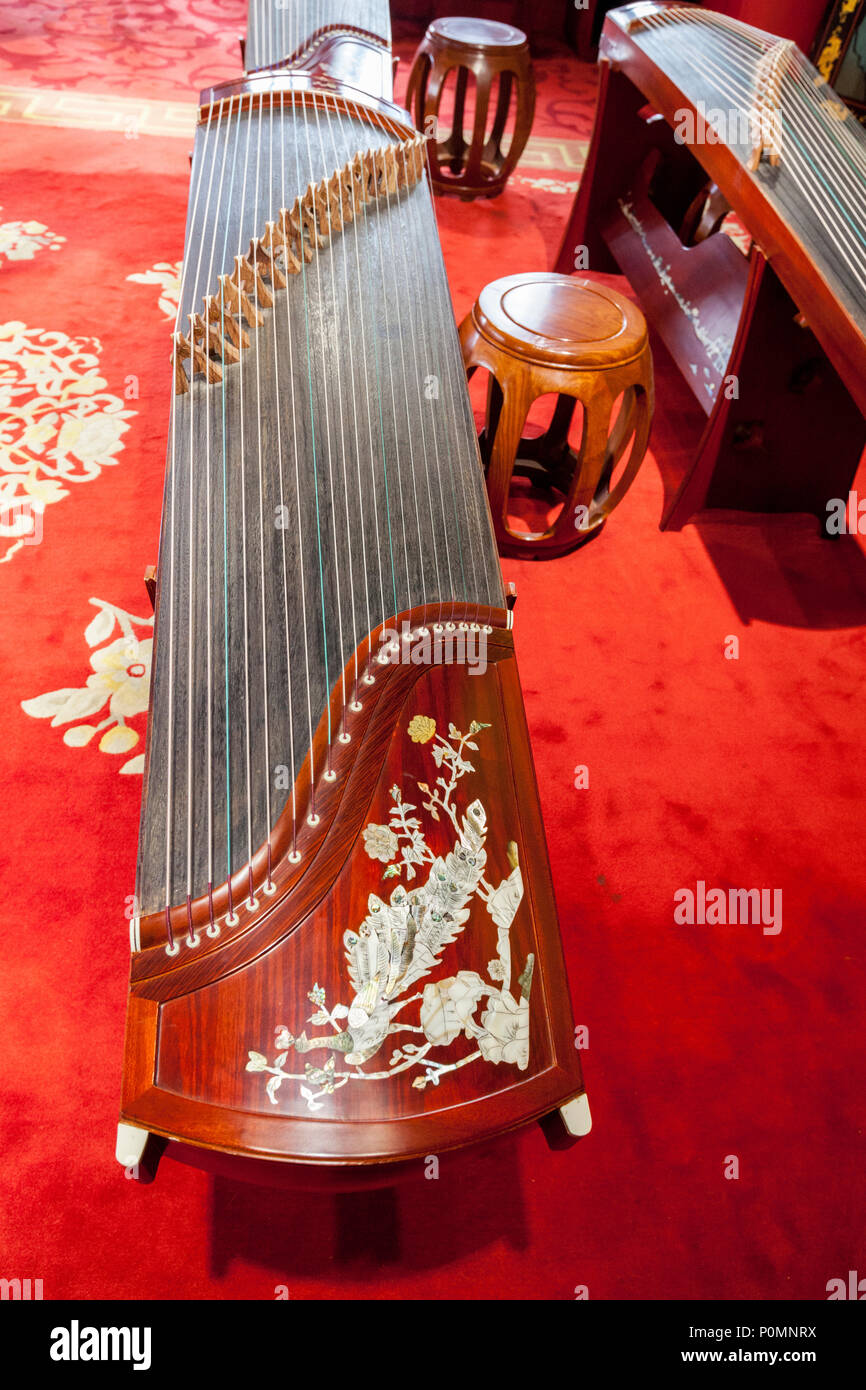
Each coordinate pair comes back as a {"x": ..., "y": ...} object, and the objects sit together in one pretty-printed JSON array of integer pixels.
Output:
[{"x": 199, "y": 1088}]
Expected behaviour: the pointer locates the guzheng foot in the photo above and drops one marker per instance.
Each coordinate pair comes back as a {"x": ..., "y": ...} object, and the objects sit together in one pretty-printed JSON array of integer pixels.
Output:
[
  {"x": 130, "y": 1147},
  {"x": 563, "y": 1127},
  {"x": 576, "y": 1117}
]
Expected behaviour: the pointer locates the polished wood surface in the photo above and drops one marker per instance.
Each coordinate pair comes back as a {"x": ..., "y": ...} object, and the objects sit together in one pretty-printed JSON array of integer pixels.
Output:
[
  {"x": 285, "y": 33},
  {"x": 649, "y": 205},
  {"x": 546, "y": 333},
  {"x": 496, "y": 57},
  {"x": 202, "y": 1017}
]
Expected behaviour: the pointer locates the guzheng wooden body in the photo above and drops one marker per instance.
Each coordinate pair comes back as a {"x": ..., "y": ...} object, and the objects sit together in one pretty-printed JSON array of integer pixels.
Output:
[
  {"x": 346, "y": 949},
  {"x": 699, "y": 114},
  {"x": 350, "y": 44}
]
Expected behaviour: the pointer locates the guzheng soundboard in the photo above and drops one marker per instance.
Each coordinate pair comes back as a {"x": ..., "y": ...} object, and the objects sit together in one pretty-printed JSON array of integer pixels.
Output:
[{"x": 345, "y": 949}]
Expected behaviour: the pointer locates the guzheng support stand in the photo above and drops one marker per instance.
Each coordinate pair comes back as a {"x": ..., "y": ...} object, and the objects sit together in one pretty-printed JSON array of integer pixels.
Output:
[{"x": 784, "y": 431}]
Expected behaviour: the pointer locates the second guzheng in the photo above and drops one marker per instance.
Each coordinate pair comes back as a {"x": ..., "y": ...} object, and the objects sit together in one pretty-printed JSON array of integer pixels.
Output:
[
  {"x": 346, "y": 948},
  {"x": 699, "y": 116}
]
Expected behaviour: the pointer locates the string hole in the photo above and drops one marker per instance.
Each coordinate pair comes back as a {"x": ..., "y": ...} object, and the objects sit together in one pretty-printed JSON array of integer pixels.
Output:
[
  {"x": 213, "y": 930},
  {"x": 344, "y": 738},
  {"x": 356, "y": 706},
  {"x": 330, "y": 776},
  {"x": 313, "y": 820},
  {"x": 232, "y": 919},
  {"x": 369, "y": 680},
  {"x": 294, "y": 857},
  {"x": 252, "y": 904},
  {"x": 270, "y": 889},
  {"x": 192, "y": 941},
  {"x": 172, "y": 950},
  {"x": 450, "y": 627}
]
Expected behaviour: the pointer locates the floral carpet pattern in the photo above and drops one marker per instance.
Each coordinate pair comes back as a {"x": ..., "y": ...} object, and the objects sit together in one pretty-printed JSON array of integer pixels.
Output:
[{"x": 59, "y": 426}]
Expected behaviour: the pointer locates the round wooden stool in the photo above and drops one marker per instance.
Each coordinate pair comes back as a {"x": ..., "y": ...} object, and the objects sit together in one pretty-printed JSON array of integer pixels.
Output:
[
  {"x": 477, "y": 167},
  {"x": 541, "y": 333}
]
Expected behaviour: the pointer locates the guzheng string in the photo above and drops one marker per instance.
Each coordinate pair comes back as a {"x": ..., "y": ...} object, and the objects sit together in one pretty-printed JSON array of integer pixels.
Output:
[
  {"x": 283, "y": 28},
  {"x": 803, "y": 157},
  {"x": 809, "y": 87},
  {"x": 371, "y": 409},
  {"x": 172, "y": 947},
  {"x": 294, "y": 856},
  {"x": 348, "y": 329},
  {"x": 803, "y": 160},
  {"x": 742, "y": 45},
  {"x": 191, "y": 935}
]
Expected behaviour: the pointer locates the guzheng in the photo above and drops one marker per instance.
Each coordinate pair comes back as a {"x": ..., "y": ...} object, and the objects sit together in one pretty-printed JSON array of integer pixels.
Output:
[
  {"x": 313, "y": 36},
  {"x": 345, "y": 948},
  {"x": 700, "y": 115}
]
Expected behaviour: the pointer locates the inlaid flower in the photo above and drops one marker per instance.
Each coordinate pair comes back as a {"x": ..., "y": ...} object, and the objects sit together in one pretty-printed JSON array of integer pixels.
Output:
[
  {"x": 380, "y": 842},
  {"x": 506, "y": 1035},
  {"x": 447, "y": 1006},
  {"x": 421, "y": 728}
]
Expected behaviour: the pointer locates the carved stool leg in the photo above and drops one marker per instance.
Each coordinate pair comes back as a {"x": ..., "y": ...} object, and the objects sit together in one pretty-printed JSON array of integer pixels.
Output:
[
  {"x": 522, "y": 122},
  {"x": 493, "y": 155},
  {"x": 474, "y": 172},
  {"x": 456, "y": 145},
  {"x": 504, "y": 447}
]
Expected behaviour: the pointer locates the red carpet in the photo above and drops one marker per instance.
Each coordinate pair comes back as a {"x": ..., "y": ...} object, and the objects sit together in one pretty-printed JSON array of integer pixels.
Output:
[{"x": 705, "y": 1042}]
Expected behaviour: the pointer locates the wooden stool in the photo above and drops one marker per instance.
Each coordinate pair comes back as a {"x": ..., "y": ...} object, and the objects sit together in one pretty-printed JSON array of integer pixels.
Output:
[
  {"x": 540, "y": 333},
  {"x": 476, "y": 168}
]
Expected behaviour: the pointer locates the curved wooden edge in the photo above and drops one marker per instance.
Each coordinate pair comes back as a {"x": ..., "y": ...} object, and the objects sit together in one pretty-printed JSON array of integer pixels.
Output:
[
  {"x": 314, "y": 90},
  {"x": 328, "y": 1142},
  {"x": 276, "y": 1138},
  {"x": 304, "y": 52},
  {"x": 377, "y": 686}
]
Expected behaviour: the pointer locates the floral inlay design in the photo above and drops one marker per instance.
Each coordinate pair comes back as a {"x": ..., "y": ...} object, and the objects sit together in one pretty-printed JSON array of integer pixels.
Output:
[
  {"x": 120, "y": 679},
  {"x": 58, "y": 425},
  {"x": 401, "y": 941},
  {"x": 166, "y": 274},
  {"x": 20, "y": 241}
]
